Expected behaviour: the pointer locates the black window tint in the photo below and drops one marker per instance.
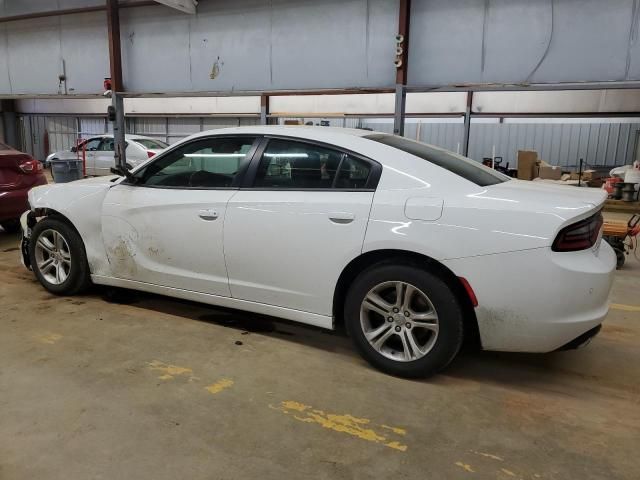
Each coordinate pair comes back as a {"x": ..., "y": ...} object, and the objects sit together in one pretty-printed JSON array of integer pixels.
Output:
[
  {"x": 107, "y": 145},
  {"x": 150, "y": 144},
  {"x": 354, "y": 173},
  {"x": 93, "y": 144},
  {"x": 297, "y": 165},
  {"x": 462, "y": 166},
  {"x": 207, "y": 163}
]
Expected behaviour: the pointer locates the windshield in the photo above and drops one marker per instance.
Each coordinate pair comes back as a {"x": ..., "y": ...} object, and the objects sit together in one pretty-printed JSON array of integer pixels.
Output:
[
  {"x": 4, "y": 147},
  {"x": 150, "y": 144},
  {"x": 462, "y": 166}
]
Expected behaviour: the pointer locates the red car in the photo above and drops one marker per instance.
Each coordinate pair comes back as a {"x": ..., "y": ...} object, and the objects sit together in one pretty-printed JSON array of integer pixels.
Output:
[{"x": 19, "y": 173}]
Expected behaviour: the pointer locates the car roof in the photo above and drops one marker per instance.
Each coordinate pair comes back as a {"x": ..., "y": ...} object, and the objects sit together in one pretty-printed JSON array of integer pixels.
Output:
[
  {"x": 127, "y": 136},
  {"x": 299, "y": 131}
]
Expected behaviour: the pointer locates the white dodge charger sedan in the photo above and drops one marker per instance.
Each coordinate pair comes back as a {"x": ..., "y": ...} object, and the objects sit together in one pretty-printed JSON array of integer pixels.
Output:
[
  {"x": 99, "y": 152},
  {"x": 412, "y": 247}
]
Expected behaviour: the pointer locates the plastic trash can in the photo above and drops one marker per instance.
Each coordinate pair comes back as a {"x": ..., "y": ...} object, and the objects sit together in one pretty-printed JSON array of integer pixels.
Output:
[{"x": 64, "y": 171}]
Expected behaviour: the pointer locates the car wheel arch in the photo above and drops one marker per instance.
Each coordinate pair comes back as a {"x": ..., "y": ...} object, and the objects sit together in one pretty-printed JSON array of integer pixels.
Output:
[
  {"x": 45, "y": 212},
  {"x": 380, "y": 257}
]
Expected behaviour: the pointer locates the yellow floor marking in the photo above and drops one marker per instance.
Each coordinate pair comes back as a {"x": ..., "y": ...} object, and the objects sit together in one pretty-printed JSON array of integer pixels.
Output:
[
  {"x": 626, "y": 308},
  {"x": 343, "y": 423},
  {"x": 465, "y": 466},
  {"x": 220, "y": 385},
  {"x": 489, "y": 455},
  {"x": 508, "y": 472},
  {"x": 169, "y": 372},
  {"x": 399, "y": 431},
  {"x": 49, "y": 338}
]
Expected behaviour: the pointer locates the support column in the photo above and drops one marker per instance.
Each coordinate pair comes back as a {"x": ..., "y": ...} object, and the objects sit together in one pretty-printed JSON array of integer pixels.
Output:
[
  {"x": 9, "y": 122},
  {"x": 117, "y": 87},
  {"x": 264, "y": 109},
  {"x": 402, "y": 67},
  {"x": 467, "y": 125},
  {"x": 119, "y": 130},
  {"x": 399, "y": 114}
]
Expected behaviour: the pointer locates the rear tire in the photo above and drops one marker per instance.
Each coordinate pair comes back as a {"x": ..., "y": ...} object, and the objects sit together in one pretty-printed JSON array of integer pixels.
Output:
[
  {"x": 404, "y": 320},
  {"x": 57, "y": 257}
]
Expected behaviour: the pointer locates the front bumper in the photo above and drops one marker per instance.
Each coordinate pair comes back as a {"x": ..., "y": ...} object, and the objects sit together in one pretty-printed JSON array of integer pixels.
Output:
[
  {"x": 538, "y": 300},
  {"x": 26, "y": 222}
]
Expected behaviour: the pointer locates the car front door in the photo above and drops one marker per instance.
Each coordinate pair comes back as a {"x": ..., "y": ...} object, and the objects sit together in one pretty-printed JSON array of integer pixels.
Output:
[
  {"x": 289, "y": 235},
  {"x": 105, "y": 157},
  {"x": 166, "y": 228},
  {"x": 90, "y": 151}
]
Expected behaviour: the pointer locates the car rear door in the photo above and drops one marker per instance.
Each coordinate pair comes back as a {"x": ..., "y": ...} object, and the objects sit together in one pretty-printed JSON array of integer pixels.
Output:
[
  {"x": 167, "y": 229},
  {"x": 299, "y": 220}
]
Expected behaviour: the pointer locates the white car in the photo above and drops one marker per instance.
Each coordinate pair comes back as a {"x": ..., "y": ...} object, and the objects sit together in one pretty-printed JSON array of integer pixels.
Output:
[
  {"x": 413, "y": 247},
  {"x": 99, "y": 152}
]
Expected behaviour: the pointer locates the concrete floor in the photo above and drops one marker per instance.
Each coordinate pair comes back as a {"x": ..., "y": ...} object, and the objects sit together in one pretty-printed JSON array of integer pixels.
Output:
[{"x": 162, "y": 389}]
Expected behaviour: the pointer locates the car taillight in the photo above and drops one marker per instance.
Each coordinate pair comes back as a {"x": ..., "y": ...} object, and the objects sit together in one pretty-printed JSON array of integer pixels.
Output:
[
  {"x": 31, "y": 166},
  {"x": 150, "y": 154},
  {"x": 579, "y": 236}
]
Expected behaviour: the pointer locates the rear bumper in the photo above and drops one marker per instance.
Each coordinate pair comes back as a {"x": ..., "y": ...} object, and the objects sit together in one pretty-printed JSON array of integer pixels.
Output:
[
  {"x": 538, "y": 300},
  {"x": 14, "y": 202}
]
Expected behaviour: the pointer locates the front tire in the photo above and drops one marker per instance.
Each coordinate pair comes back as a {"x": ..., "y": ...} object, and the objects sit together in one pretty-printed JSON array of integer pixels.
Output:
[
  {"x": 404, "y": 320},
  {"x": 58, "y": 258}
]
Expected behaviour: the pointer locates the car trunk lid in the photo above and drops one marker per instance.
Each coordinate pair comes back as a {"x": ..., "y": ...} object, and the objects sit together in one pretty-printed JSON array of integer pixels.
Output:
[{"x": 567, "y": 202}]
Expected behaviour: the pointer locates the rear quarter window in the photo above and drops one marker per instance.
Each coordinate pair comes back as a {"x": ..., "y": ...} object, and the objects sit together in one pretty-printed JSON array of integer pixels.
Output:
[{"x": 462, "y": 166}]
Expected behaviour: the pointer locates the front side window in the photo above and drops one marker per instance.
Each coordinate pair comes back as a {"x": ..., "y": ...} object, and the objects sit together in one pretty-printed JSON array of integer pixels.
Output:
[
  {"x": 92, "y": 144},
  {"x": 207, "y": 163},
  {"x": 297, "y": 165},
  {"x": 461, "y": 166}
]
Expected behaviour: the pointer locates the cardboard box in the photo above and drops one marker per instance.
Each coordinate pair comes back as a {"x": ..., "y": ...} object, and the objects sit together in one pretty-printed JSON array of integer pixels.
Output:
[
  {"x": 527, "y": 164},
  {"x": 549, "y": 172}
]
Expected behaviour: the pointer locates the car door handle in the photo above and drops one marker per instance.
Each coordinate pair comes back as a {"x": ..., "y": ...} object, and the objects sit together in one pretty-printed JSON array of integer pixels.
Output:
[
  {"x": 208, "y": 214},
  {"x": 342, "y": 217}
]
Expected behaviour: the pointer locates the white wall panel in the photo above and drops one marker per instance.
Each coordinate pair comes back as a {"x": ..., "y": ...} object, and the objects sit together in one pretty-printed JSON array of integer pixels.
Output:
[
  {"x": 83, "y": 41},
  {"x": 34, "y": 55},
  {"x": 306, "y": 44}
]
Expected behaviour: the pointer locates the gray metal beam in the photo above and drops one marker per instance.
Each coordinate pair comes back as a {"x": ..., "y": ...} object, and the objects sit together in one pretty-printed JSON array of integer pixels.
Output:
[
  {"x": 402, "y": 65},
  {"x": 119, "y": 131},
  {"x": 264, "y": 109},
  {"x": 467, "y": 125}
]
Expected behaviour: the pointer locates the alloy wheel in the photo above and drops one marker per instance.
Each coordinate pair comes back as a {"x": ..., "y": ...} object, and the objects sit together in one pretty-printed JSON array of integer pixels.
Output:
[
  {"x": 399, "y": 321},
  {"x": 53, "y": 256}
]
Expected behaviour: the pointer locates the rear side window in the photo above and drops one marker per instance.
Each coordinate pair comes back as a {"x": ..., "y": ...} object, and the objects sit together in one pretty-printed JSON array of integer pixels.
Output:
[
  {"x": 150, "y": 144},
  {"x": 461, "y": 166},
  {"x": 301, "y": 166}
]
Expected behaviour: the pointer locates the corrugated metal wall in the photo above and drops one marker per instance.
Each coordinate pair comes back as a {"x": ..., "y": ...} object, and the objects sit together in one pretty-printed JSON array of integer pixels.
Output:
[
  {"x": 62, "y": 130},
  {"x": 558, "y": 144}
]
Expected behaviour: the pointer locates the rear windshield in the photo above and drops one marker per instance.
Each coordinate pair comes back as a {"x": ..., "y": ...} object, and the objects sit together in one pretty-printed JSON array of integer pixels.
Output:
[
  {"x": 151, "y": 144},
  {"x": 462, "y": 166}
]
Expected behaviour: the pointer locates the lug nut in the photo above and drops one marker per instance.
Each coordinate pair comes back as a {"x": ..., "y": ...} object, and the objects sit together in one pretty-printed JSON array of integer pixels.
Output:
[
  {"x": 398, "y": 328},
  {"x": 406, "y": 314},
  {"x": 395, "y": 310},
  {"x": 408, "y": 325},
  {"x": 390, "y": 319}
]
